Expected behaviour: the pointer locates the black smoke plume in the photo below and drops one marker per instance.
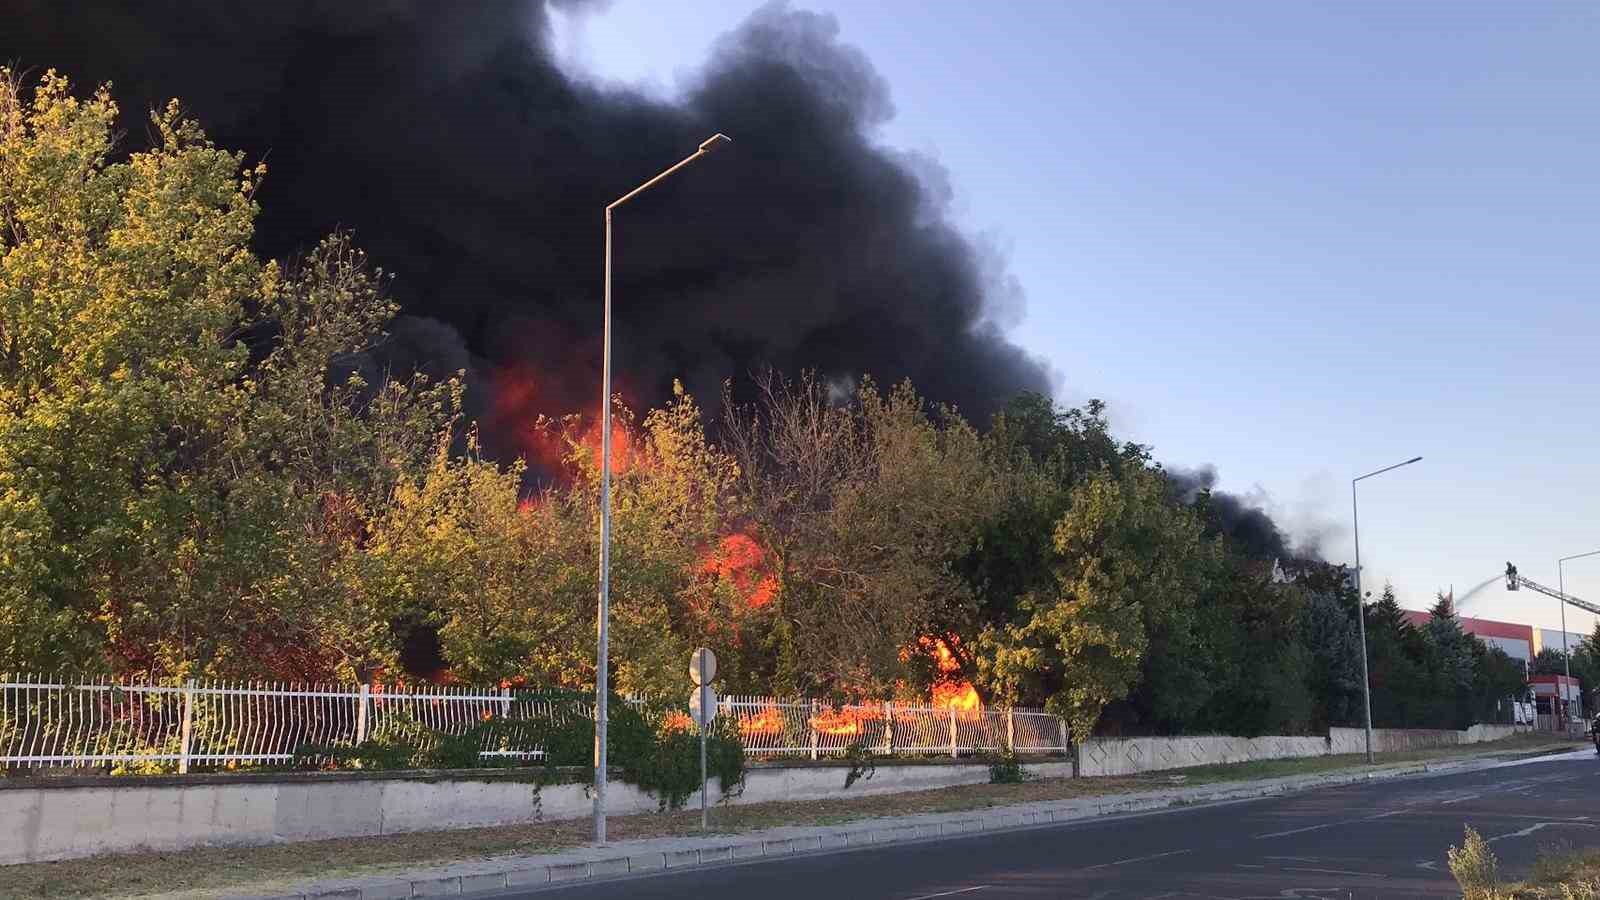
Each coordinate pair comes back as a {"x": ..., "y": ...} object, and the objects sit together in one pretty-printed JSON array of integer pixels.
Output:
[
  {"x": 1250, "y": 528},
  {"x": 475, "y": 170}
]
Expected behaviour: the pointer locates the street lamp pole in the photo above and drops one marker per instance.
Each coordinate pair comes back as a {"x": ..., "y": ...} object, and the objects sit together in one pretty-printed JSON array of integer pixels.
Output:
[
  {"x": 1561, "y": 586},
  {"x": 603, "y": 616},
  {"x": 1361, "y": 612}
]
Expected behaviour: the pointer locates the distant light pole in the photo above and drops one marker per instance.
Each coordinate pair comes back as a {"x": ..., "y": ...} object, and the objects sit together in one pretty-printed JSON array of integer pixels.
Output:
[
  {"x": 1361, "y": 612},
  {"x": 602, "y": 653},
  {"x": 1561, "y": 586}
]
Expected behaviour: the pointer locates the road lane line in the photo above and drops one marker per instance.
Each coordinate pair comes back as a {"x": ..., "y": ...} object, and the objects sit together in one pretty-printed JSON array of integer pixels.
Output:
[
  {"x": 1541, "y": 825},
  {"x": 1460, "y": 799},
  {"x": 1334, "y": 871},
  {"x": 966, "y": 890},
  {"x": 1279, "y": 834},
  {"x": 1123, "y": 862}
]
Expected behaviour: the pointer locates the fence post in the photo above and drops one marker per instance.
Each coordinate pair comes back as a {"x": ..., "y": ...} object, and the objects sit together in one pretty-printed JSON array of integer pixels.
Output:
[
  {"x": 361, "y": 714},
  {"x": 1011, "y": 730},
  {"x": 188, "y": 727},
  {"x": 953, "y": 753},
  {"x": 505, "y": 705},
  {"x": 888, "y": 727},
  {"x": 1062, "y": 725},
  {"x": 813, "y": 724}
]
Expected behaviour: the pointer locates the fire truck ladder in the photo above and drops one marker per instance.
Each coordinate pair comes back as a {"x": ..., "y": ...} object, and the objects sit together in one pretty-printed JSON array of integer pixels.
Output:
[{"x": 1515, "y": 581}]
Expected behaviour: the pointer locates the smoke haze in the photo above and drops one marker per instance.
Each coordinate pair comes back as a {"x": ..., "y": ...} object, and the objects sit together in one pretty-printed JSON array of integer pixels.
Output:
[{"x": 470, "y": 166}]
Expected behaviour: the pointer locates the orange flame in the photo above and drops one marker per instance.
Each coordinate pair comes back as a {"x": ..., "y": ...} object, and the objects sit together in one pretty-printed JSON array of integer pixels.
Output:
[
  {"x": 767, "y": 721},
  {"x": 850, "y": 722},
  {"x": 739, "y": 560},
  {"x": 677, "y": 721},
  {"x": 623, "y": 456},
  {"x": 950, "y": 690}
]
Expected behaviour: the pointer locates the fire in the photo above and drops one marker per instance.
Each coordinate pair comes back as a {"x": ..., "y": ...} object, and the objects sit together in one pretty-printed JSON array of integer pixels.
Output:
[
  {"x": 768, "y": 721},
  {"x": 850, "y": 722},
  {"x": 950, "y": 690},
  {"x": 546, "y": 440},
  {"x": 677, "y": 721},
  {"x": 960, "y": 695},
  {"x": 739, "y": 560},
  {"x": 623, "y": 455}
]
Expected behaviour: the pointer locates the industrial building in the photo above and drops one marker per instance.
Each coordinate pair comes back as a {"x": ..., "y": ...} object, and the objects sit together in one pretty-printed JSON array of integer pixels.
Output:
[{"x": 1557, "y": 700}]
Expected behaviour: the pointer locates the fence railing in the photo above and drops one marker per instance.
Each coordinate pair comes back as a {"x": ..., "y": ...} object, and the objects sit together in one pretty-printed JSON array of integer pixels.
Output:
[
  {"x": 774, "y": 728},
  {"x": 148, "y": 727}
]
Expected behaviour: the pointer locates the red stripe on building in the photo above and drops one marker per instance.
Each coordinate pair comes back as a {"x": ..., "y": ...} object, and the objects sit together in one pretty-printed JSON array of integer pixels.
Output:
[{"x": 1479, "y": 627}]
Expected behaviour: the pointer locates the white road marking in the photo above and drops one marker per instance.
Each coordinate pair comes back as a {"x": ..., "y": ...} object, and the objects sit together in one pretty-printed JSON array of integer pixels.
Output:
[
  {"x": 1278, "y": 834},
  {"x": 1541, "y": 825},
  {"x": 1431, "y": 865},
  {"x": 966, "y": 890},
  {"x": 1460, "y": 799},
  {"x": 1334, "y": 872},
  {"x": 1123, "y": 862}
]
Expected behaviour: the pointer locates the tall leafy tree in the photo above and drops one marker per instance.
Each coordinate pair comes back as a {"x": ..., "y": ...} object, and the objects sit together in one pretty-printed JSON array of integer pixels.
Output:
[
  {"x": 1126, "y": 568},
  {"x": 180, "y": 458}
]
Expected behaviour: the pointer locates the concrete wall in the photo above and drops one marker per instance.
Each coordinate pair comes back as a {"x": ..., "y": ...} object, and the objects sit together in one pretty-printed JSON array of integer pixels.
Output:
[
  {"x": 1126, "y": 756},
  {"x": 1390, "y": 740},
  {"x": 63, "y": 818},
  {"x": 60, "y": 819}
]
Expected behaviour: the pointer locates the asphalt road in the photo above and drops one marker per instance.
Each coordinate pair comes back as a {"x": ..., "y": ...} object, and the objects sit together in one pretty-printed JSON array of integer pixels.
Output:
[{"x": 1381, "y": 840}]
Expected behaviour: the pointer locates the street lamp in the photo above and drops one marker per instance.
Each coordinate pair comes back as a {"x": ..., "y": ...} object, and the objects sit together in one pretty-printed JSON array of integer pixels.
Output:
[
  {"x": 602, "y": 657},
  {"x": 1561, "y": 586},
  {"x": 1361, "y": 613}
]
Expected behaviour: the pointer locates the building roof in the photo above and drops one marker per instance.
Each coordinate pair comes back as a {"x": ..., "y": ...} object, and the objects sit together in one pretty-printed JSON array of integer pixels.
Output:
[{"x": 1479, "y": 627}]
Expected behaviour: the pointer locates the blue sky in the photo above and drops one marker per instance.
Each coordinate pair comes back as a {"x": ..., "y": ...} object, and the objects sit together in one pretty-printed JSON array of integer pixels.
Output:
[{"x": 1296, "y": 241}]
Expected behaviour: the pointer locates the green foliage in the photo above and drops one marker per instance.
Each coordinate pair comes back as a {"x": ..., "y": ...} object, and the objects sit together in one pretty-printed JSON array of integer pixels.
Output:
[
  {"x": 1005, "y": 768},
  {"x": 1126, "y": 563},
  {"x": 1328, "y": 629},
  {"x": 1474, "y": 866},
  {"x": 183, "y": 444},
  {"x": 662, "y": 760},
  {"x": 204, "y": 471},
  {"x": 862, "y": 761},
  {"x": 1550, "y": 661}
]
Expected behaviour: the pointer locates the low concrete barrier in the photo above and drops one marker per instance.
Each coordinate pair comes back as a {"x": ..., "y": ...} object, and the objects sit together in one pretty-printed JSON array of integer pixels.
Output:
[
  {"x": 1395, "y": 740},
  {"x": 48, "y": 819},
  {"x": 1127, "y": 756},
  {"x": 60, "y": 818}
]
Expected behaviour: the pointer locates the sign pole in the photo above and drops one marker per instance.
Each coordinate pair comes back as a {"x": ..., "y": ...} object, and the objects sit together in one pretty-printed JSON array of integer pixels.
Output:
[
  {"x": 703, "y": 708},
  {"x": 703, "y": 820},
  {"x": 700, "y": 658}
]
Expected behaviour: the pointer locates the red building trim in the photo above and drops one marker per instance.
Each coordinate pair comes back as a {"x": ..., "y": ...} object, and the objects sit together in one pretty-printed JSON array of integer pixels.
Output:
[{"x": 1480, "y": 627}]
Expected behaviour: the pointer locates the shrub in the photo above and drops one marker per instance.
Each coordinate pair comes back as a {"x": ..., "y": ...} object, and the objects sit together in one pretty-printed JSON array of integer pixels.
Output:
[
  {"x": 862, "y": 764},
  {"x": 1006, "y": 769},
  {"x": 644, "y": 745},
  {"x": 1474, "y": 867}
]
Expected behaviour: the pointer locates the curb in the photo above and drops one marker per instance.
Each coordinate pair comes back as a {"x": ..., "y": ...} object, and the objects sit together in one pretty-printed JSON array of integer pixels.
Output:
[{"x": 489, "y": 877}]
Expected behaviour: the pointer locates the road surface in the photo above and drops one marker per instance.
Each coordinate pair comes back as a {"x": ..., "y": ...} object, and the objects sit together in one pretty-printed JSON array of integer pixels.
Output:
[{"x": 1380, "y": 840}]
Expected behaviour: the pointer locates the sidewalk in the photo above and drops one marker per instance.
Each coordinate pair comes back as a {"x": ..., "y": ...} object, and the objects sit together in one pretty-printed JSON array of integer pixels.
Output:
[{"x": 654, "y": 855}]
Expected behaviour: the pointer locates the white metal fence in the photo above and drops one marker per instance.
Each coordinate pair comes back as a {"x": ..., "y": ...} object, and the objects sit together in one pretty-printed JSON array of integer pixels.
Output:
[
  {"x": 147, "y": 727},
  {"x": 773, "y": 728}
]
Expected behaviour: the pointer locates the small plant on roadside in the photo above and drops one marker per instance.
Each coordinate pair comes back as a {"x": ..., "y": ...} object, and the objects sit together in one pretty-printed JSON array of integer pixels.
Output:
[
  {"x": 862, "y": 763},
  {"x": 1474, "y": 866},
  {"x": 1005, "y": 768}
]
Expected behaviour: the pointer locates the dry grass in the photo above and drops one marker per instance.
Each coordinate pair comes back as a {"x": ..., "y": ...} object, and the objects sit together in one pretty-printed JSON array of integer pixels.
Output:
[
  {"x": 211, "y": 872},
  {"x": 1558, "y": 874}
]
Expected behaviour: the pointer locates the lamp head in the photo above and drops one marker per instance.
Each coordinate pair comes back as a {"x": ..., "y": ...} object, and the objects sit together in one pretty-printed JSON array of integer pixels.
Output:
[{"x": 715, "y": 141}]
